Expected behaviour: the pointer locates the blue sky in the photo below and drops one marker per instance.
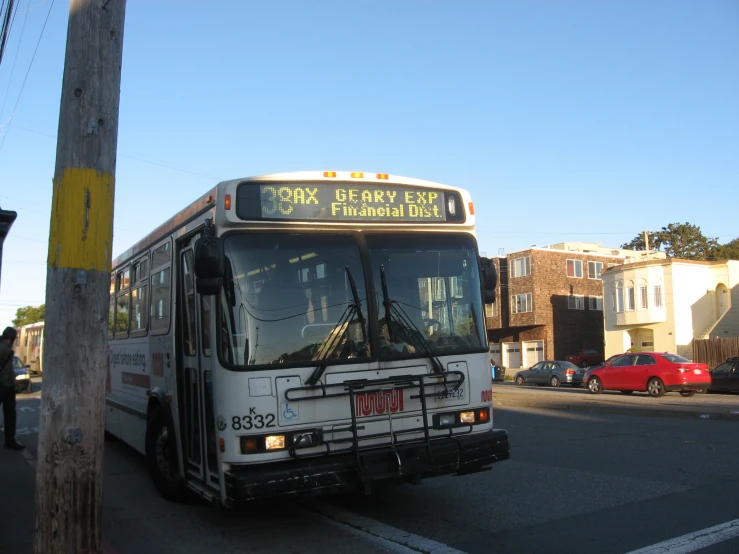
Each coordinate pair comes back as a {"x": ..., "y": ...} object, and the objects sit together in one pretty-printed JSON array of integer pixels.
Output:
[{"x": 566, "y": 120}]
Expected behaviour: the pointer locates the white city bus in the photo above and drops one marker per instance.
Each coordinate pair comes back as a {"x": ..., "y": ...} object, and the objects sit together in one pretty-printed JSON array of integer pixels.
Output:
[
  {"x": 303, "y": 333},
  {"x": 29, "y": 346}
]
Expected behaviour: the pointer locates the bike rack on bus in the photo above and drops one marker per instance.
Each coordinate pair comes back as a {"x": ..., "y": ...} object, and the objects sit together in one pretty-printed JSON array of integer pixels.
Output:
[{"x": 350, "y": 389}]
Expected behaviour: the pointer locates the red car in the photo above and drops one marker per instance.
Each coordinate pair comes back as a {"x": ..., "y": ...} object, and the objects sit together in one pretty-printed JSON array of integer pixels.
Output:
[
  {"x": 653, "y": 372},
  {"x": 585, "y": 358}
]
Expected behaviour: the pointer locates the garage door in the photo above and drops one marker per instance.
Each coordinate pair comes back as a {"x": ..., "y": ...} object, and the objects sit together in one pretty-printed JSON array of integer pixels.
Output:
[
  {"x": 533, "y": 352},
  {"x": 511, "y": 354}
]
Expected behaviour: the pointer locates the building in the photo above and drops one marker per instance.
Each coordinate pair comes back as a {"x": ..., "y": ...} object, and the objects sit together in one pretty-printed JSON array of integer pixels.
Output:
[
  {"x": 664, "y": 305},
  {"x": 7, "y": 218},
  {"x": 549, "y": 302}
]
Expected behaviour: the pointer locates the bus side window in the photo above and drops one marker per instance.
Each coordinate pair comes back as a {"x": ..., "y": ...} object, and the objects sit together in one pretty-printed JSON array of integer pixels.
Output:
[
  {"x": 139, "y": 296},
  {"x": 111, "y": 308},
  {"x": 161, "y": 286},
  {"x": 122, "y": 301}
]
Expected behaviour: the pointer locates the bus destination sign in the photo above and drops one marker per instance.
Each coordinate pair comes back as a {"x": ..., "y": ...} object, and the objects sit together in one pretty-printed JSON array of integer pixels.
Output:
[{"x": 350, "y": 202}]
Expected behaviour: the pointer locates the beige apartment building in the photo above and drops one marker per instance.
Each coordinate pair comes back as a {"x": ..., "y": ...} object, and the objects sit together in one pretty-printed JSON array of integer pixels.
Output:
[{"x": 663, "y": 305}]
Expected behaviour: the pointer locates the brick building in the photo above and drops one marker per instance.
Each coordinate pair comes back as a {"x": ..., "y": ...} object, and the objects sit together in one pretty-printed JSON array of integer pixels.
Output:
[{"x": 549, "y": 301}]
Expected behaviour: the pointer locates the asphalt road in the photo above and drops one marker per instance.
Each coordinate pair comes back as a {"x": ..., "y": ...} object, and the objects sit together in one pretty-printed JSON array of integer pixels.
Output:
[{"x": 579, "y": 481}]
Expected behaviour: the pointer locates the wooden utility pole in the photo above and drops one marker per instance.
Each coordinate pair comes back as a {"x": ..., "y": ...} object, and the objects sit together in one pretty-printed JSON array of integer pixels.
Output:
[
  {"x": 646, "y": 242},
  {"x": 69, "y": 475}
]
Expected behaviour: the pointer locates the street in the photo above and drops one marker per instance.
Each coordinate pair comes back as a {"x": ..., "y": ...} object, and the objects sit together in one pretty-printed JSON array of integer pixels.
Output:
[{"x": 577, "y": 482}]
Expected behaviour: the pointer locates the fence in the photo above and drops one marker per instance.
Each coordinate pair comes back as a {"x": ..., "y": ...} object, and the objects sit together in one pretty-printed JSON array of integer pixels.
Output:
[{"x": 715, "y": 351}]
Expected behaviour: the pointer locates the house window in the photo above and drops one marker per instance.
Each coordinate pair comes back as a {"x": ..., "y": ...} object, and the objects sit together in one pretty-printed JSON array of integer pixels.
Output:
[
  {"x": 576, "y": 302},
  {"x": 521, "y": 267},
  {"x": 619, "y": 297},
  {"x": 521, "y": 303},
  {"x": 574, "y": 268},
  {"x": 630, "y": 296},
  {"x": 643, "y": 295},
  {"x": 658, "y": 294},
  {"x": 491, "y": 310},
  {"x": 595, "y": 303},
  {"x": 594, "y": 270}
]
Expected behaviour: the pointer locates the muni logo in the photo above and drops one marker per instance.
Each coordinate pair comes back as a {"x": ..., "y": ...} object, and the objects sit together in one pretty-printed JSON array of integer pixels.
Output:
[{"x": 378, "y": 402}]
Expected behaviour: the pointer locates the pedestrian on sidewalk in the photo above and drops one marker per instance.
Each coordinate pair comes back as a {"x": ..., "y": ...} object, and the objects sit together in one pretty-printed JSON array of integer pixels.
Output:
[{"x": 7, "y": 387}]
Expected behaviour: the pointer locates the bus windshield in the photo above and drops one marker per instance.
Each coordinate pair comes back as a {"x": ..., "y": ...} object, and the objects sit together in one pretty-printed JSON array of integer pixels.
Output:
[
  {"x": 434, "y": 282},
  {"x": 286, "y": 297}
]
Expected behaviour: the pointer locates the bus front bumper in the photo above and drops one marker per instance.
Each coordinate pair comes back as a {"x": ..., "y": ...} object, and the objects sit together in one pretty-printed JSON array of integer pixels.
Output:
[{"x": 334, "y": 473}]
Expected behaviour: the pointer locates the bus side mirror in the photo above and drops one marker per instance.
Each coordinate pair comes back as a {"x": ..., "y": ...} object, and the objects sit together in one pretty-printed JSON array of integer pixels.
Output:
[
  {"x": 209, "y": 261},
  {"x": 489, "y": 280}
]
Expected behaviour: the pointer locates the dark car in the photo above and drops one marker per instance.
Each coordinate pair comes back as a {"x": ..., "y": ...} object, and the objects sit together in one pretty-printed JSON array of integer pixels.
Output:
[
  {"x": 551, "y": 373},
  {"x": 22, "y": 377},
  {"x": 725, "y": 378},
  {"x": 585, "y": 358},
  {"x": 654, "y": 372}
]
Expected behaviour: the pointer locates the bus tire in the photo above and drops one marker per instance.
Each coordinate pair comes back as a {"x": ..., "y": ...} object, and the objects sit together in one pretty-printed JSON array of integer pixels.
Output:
[{"x": 161, "y": 458}]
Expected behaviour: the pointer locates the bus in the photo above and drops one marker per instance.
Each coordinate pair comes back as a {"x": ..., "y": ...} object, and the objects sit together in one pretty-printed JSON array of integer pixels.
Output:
[
  {"x": 304, "y": 333},
  {"x": 29, "y": 346}
]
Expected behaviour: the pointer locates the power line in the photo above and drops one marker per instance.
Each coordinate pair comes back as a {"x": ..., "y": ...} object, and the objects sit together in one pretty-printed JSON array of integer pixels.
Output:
[
  {"x": 136, "y": 156},
  {"x": 6, "y": 27},
  {"x": 23, "y": 86},
  {"x": 15, "y": 58}
]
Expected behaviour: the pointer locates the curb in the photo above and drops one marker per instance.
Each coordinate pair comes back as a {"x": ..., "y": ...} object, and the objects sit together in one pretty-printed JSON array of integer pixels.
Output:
[
  {"x": 595, "y": 408},
  {"x": 107, "y": 548}
]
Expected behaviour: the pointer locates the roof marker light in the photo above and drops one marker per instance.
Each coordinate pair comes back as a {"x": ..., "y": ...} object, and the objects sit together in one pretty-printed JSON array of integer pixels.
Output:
[
  {"x": 383, "y": 176},
  {"x": 357, "y": 175},
  {"x": 329, "y": 174}
]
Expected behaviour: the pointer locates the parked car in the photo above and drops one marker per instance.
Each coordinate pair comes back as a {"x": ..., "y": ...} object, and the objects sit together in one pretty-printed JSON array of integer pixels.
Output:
[
  {"x": 551, "y": 373},
  {"x": 594, "y": 367},
  {"x": 22, "y": 377},
  {"x": 585, "y": 358},
  {"x": 725, "y": 377},
  {"x": 653, "y": 372}
]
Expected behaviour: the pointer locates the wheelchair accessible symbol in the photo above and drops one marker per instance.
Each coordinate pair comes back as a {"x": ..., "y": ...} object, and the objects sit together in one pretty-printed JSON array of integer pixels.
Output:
[{"x": 288, "y": 413}]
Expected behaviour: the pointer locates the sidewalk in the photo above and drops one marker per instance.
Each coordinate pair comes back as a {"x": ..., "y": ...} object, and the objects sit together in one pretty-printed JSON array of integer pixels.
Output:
[
  {"x": 17, "y": 489},
  {"x": 701, "y": 406}
]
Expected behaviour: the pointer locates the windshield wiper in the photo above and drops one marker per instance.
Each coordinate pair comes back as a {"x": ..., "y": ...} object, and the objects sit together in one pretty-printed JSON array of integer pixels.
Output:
[
  {"x": 357, "y": 304},
  {"x": 337, "y": 331},
  {"x": 395, "y": 310},
  {"x": 386, "y": 302}
]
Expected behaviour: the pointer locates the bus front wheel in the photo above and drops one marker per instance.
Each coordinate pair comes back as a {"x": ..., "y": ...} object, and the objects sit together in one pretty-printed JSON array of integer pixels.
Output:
[{"x": 161, "y": 458}]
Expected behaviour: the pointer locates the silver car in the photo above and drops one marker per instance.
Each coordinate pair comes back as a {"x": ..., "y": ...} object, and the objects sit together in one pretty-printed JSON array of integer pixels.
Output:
[{"x": 551, "y": 373}]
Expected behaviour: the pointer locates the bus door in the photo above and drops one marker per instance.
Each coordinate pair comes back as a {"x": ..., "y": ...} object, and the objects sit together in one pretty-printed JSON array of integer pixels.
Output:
[{"x": 195, "y": 388}]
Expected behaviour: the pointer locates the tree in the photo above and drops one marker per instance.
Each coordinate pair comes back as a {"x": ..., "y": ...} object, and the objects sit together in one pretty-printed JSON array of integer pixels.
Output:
[
  {"x": 728, "y": 251},
  {"x": 678, "y": 240},
  {"x": 29, "y": 314}
]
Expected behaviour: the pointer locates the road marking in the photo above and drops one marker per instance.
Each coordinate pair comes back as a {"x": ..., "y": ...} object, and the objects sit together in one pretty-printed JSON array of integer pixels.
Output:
[
  {"x": 390, "y": 538},
  {"x": 26, "y": 431},
  {"x": 26, "y": 409},
  {"x": 694, "y": 541}
]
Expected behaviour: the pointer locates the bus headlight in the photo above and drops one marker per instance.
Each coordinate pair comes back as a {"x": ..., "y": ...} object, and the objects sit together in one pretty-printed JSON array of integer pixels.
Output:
[
  {"x": 461, "y": 418},
  {"x": 274, "y": 442}
]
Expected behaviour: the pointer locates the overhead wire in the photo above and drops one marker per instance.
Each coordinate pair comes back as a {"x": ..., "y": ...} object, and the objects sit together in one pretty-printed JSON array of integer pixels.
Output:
[
  {"x": 5, "y": 29},
  {"x": 25, "y": 79},
  {"x": 15, "y": 58}
]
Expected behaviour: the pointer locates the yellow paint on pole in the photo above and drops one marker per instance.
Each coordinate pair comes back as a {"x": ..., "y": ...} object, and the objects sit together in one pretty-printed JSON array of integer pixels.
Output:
[{"x": 82, "y": 220}]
